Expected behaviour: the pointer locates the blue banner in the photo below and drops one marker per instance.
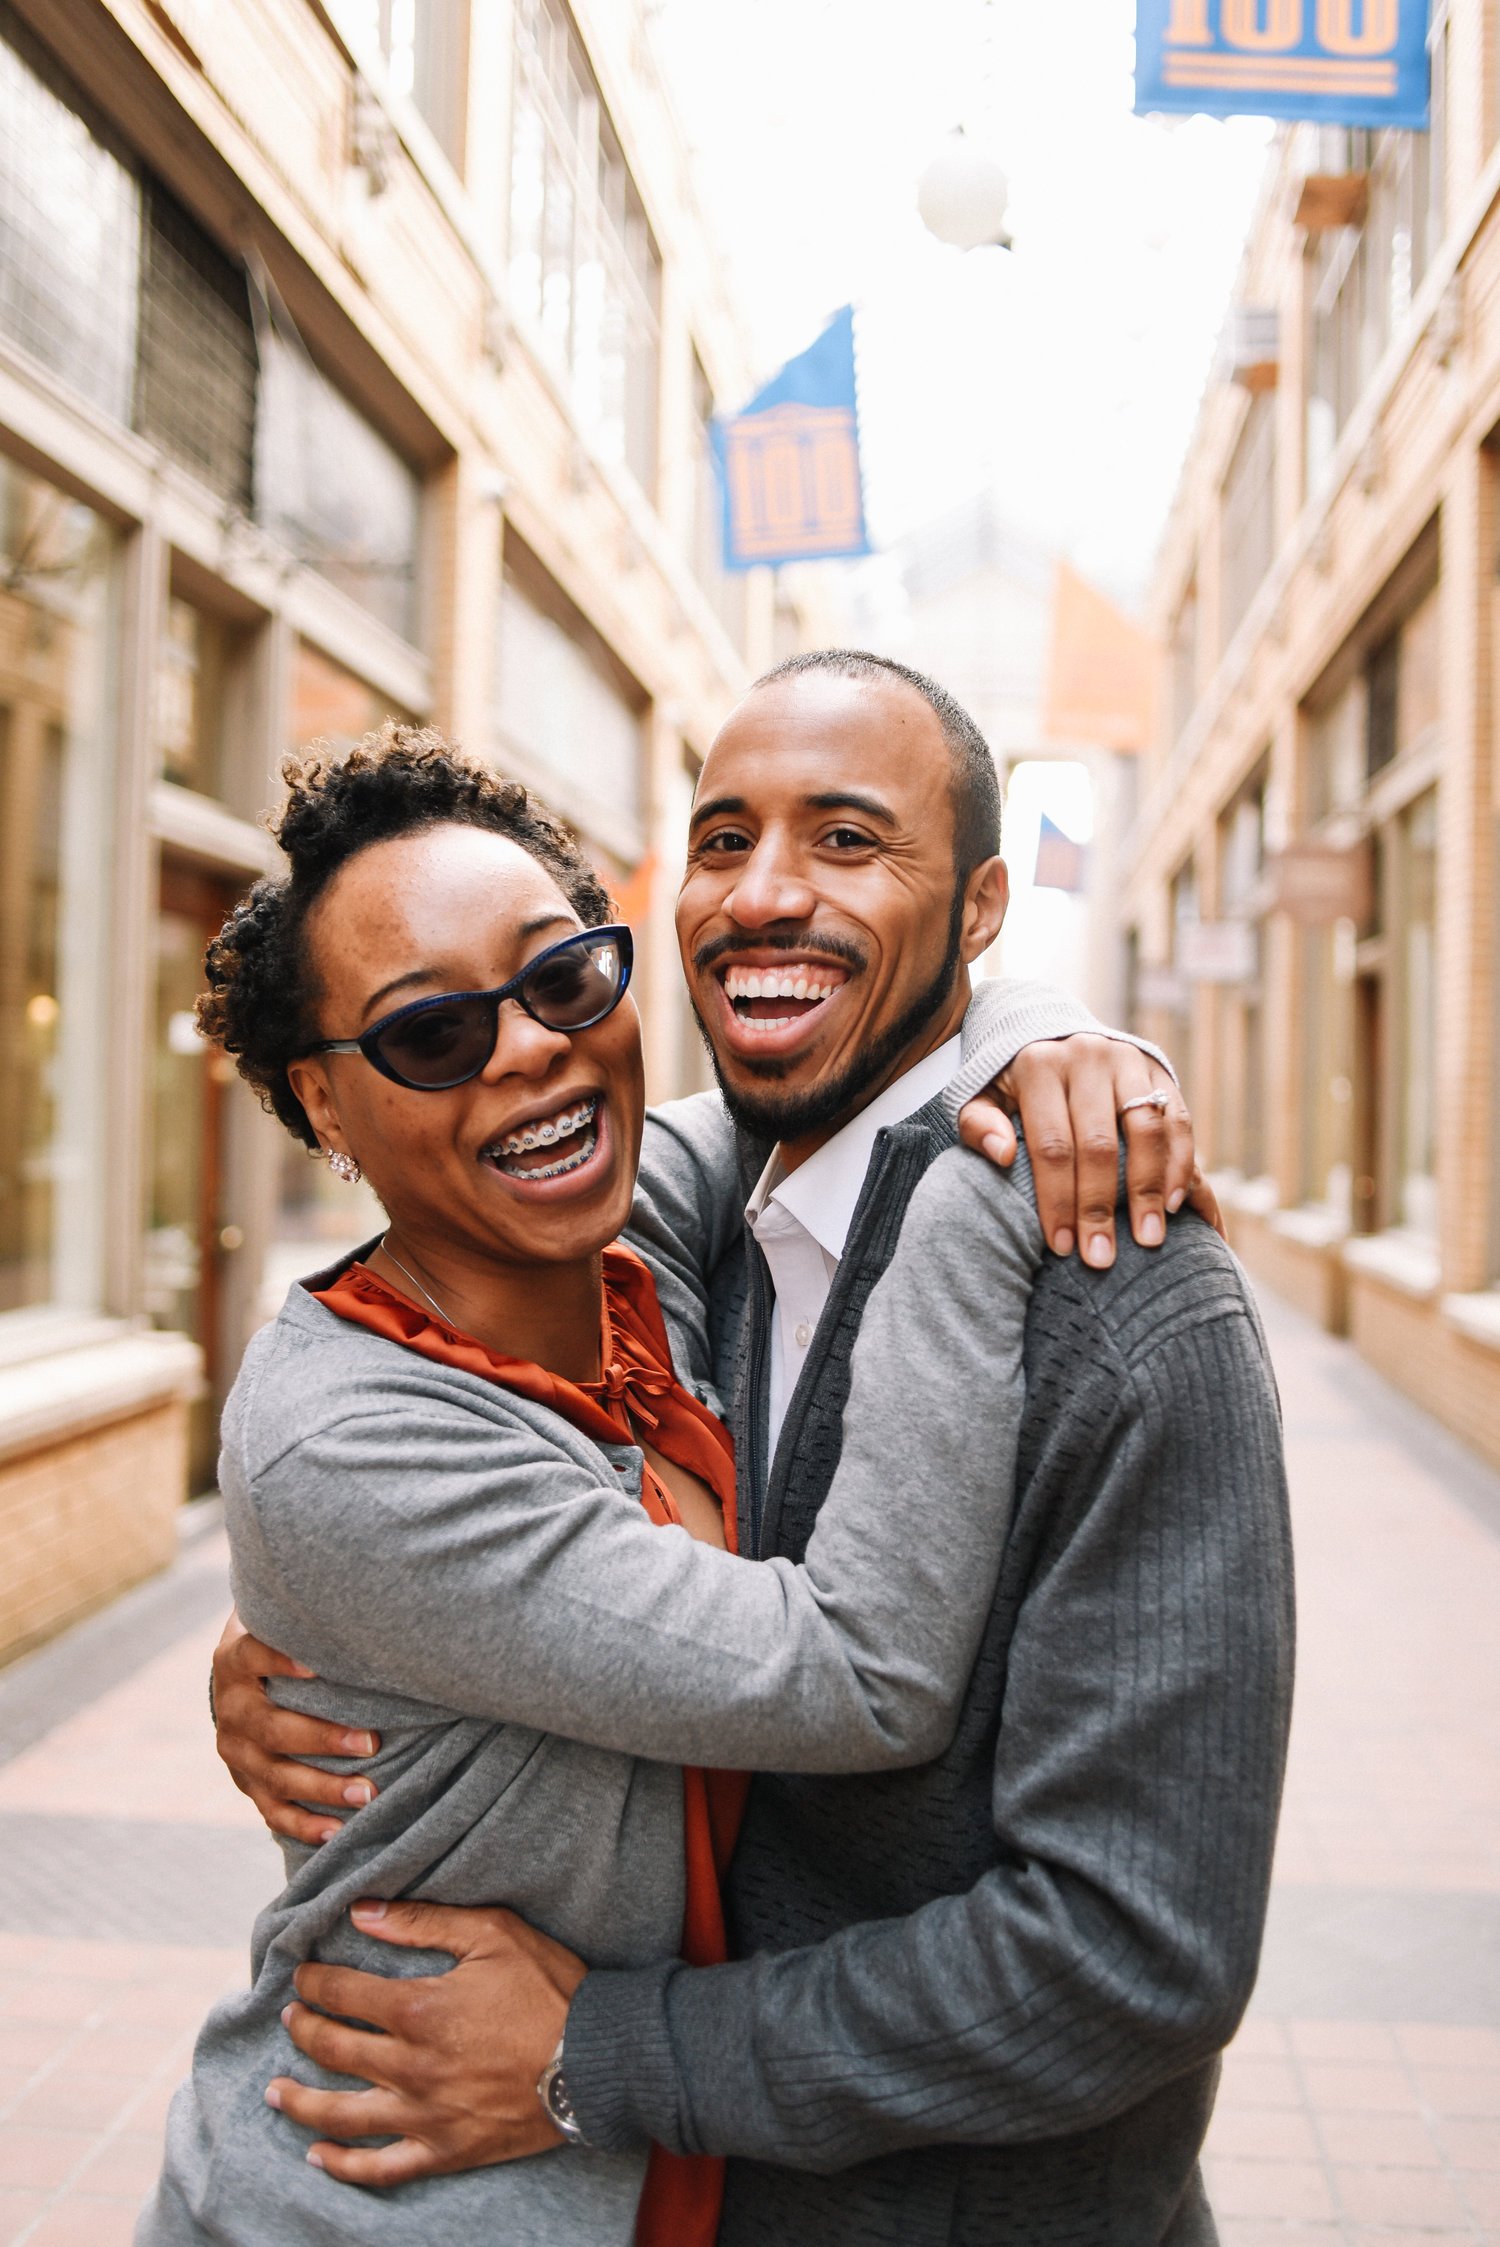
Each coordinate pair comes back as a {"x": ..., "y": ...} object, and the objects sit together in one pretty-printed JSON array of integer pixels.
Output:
[
  {"x": 1338, "y": 62},
  {"x": 789, "y": 474}
]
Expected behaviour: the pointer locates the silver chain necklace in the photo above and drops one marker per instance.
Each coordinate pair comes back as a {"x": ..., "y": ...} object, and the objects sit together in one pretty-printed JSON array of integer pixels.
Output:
[{"x": 385, "y": 1243}]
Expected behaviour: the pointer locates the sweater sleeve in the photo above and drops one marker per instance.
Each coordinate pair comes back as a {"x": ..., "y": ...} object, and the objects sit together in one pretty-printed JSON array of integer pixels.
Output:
[
  {"x": 1007, "y": 1013},
  {"x": 415, "y": 1545},
  {"x": 1136, "y": 1781}
]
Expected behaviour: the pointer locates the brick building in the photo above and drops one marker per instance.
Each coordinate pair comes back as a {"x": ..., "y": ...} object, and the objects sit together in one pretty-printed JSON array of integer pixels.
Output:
[
  {"x": 356, "y": 357},
  {"x": 1310, "y": 911}
]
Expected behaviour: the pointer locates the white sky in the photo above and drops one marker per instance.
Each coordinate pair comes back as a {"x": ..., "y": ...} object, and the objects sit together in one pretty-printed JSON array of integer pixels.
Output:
[{"x": 1065, "y": 373}]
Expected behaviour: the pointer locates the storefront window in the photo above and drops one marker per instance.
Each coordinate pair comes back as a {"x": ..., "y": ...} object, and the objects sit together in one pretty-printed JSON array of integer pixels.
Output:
[
  {"x": 332, "y": 704},
  {"x": 564, "y": 715},
  {"x": 55, "y": 617},
  {"x": 331, "y": 488}
]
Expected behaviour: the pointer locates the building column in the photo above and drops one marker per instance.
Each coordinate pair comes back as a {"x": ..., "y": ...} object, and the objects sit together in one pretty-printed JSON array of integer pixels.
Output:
[
  {"x": 1281, "y": 985},
  {"x": 1465, "y": 920}
]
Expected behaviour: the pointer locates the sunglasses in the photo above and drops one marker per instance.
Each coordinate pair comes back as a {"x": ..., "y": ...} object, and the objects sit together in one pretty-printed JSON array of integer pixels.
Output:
[{"x": 435, "y": 1044}]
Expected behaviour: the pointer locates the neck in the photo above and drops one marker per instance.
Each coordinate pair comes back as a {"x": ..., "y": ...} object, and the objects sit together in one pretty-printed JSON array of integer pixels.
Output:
[
  {"x": 794, "y": 1152},
  {"x": 548, "y": 1314}
]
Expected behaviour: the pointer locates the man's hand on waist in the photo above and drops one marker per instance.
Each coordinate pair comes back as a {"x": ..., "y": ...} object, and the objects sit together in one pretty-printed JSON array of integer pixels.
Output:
[
  {"x": 453, "y": 2060},
  {"x": 262, "y": 1745}
]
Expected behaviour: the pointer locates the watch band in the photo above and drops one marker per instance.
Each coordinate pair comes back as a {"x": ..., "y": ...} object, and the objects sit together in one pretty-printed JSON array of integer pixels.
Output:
[{"x": 557, "y": 2103}]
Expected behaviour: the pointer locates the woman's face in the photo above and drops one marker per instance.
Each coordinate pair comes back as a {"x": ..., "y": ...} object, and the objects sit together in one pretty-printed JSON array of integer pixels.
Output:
[{"x": 460, "y": 909}]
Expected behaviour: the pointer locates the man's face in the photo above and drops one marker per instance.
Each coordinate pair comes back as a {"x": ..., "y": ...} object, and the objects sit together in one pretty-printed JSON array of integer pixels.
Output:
[{"x": 821, "y": 935}]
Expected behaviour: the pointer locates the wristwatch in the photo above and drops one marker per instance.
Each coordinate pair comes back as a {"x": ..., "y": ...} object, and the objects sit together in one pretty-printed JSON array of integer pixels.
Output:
[{"x": 552, "y": 2090}]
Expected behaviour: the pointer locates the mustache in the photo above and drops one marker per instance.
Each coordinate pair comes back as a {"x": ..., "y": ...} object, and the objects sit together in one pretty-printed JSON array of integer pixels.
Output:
[{"x": 843, "y": 949}]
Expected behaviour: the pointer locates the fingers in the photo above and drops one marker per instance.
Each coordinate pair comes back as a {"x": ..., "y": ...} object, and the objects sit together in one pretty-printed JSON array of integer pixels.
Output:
[
  {"x": 338, "y": 2047},
  {"x": 381, "y": 2166},
  {"x": 1148, "y": 1175},
  {"x": 355, "y": 1996},
  {"x": 285, "y": 1736},
  {"x": 984, "y": 1126},
  {"x": 339, "y": 2114},
  {"x": 1203, "y": 1199},
  {"x": 1093, "y": 1110},
  {"x": 287, "y": 1819},
  {"x": 239, "y": 1655},
  {"x": 457, "y": 1929},
  {"x": 1049, "y": 1142}
]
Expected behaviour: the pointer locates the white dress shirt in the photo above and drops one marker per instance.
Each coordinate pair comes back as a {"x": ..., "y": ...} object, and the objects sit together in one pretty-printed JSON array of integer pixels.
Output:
[{"x": 801, "y": 1218}]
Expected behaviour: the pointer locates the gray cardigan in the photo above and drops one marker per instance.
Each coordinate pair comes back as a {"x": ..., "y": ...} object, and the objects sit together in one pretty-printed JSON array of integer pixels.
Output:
[
  {"x": 979, "y": 2003},
  {"x": 473, "y": 1578}
]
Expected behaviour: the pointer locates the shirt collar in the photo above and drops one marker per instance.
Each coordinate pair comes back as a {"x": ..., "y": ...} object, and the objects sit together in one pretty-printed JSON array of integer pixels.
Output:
[{"x": 823, "y": 1193}]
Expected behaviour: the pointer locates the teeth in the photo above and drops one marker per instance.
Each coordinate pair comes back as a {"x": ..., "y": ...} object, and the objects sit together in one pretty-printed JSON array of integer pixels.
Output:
[
  {"x": 561, "y": 1169},
  {"x": 791, "y": 983},
  {"x": 547, "y": 1134}
]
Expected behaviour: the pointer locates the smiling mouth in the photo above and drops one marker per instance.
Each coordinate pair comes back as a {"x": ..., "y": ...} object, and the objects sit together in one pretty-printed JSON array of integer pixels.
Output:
[
  {"x": 776, "y": 998},
  {"x": 549, "y": 1146}
]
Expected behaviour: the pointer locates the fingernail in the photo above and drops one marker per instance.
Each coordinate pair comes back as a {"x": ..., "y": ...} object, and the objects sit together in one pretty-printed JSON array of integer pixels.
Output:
[
  {"x": 326, "y": 1833},
  {"x": 995, "y": 1147},
  {"x": 368, "y": 1910},
  {"x": 360, "y": 1743},
  {"x": 359, "y": 1791},
  {"x": 286, "y": 2015},
  {"x": 314, "y": 2159},
  {"x": 273, "y": 2096},
  {"x": 1062, "y": 1242},
  {"x": 1176, "y": 1200},
  {"x": 1152, "y": 1231},
  {"x": 1097, "y": 1252}
]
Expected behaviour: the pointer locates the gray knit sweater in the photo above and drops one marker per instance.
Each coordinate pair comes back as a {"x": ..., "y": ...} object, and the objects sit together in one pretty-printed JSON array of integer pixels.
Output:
[{"x": 980, "y": 2003}]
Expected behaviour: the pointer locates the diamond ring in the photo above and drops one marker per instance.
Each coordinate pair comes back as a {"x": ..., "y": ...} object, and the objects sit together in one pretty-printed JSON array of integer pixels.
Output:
[{"x": 1156, "y": 1100}]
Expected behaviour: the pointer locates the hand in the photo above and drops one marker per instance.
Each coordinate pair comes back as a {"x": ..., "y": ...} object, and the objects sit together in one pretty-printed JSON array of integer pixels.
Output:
[
  {"x": 454, "y": 2074},
  {"x": 1069, "y": 1094},
  {"x": 260, "y": 1743}
]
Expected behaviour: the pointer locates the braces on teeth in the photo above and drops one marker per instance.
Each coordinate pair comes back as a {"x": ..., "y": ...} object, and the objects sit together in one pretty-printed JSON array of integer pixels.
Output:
[{"x": 548, "y": 1134}]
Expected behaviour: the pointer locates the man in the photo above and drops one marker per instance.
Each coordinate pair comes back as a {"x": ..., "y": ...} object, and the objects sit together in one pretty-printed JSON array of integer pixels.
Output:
[{"x": 981, "y": 2001}]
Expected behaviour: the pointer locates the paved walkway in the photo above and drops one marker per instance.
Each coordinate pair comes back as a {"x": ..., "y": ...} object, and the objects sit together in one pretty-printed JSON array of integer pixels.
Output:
[{"x": 1361, "y": 2102}]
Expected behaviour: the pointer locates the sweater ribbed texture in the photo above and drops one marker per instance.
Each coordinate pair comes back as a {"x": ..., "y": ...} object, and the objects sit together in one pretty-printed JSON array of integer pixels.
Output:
[{"x": 982, "y": 2001}]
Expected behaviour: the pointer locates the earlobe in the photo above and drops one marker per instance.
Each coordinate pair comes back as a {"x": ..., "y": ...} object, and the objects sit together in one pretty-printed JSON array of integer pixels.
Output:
[{"x": 311, "y": 1087}]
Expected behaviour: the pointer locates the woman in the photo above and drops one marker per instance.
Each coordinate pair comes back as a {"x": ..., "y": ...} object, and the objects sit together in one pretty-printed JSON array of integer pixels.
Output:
[{"x": 464, "y": 1486}]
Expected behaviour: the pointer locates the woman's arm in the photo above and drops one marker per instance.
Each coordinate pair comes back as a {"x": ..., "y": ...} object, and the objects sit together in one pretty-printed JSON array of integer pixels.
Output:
[{"x": 418, "y": 1548}]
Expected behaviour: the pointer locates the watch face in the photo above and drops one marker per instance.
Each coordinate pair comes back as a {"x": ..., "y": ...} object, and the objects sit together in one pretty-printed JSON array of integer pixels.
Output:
[{"x": 559, "y": 2104}]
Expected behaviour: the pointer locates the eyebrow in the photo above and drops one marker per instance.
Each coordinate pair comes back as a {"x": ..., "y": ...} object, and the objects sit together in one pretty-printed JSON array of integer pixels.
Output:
[
  {"x": 830, "y": 799},
  {"x": 533, "y": 927}
]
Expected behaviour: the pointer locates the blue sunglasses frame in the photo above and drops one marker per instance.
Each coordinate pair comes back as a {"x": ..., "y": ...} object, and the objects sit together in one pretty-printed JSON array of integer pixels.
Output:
[{"x": 586, "y": 940}]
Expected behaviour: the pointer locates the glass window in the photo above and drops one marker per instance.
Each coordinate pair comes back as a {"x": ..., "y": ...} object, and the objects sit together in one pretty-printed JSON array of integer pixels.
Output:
[
  {"x": 1249, "y": 512},
  {"x": 198, "y": 666},
  {"x": 425, "y": 44},
  {"x": 565, "y": 713},
  {"x": 330, "y": 487},
  {"x": 70, "y": 232},
  {"x": 195, "y": 385},
  {"x": 584, "y": 265},
  {"x": 55, "y": 638}
]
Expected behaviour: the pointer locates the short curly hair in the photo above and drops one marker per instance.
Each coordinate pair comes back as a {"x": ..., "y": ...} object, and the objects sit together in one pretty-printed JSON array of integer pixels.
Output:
[{"x": 397, "y": 781}]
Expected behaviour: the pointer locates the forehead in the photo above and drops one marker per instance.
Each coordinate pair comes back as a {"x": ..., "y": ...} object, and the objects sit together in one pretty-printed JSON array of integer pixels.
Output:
[
  {"x": 454, "y": 898},
  {"x": 817, "y": 730}
]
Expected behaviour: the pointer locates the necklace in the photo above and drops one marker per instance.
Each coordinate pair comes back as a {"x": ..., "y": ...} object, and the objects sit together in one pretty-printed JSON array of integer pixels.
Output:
[{"x": 385, "y": 1243}]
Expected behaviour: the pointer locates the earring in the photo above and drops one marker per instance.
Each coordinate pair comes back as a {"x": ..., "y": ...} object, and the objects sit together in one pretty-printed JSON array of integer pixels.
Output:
[{"x": 344, "y": 1166}]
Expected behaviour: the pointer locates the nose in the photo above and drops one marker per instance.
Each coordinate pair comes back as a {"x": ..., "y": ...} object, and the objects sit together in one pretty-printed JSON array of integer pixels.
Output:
[
  {"x": 769, "y": 887},
  {"x": 524, "y": 1047}
]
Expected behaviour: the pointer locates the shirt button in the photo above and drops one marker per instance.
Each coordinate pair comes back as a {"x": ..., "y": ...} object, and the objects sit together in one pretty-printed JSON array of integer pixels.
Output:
[{"x": 802, "y": 1334}]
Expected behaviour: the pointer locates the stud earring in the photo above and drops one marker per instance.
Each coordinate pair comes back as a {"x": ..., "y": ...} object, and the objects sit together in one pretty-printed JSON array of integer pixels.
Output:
[{"x": 344, "y": 1166}]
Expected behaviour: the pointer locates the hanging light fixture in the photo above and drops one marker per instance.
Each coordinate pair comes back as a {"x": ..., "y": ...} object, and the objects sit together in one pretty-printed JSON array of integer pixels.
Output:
[{"x": 963, "y": 195}]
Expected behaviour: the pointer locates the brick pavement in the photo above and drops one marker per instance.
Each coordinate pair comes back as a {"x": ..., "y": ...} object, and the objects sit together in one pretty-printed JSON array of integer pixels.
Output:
[{"x": 1361, "y": 2101}]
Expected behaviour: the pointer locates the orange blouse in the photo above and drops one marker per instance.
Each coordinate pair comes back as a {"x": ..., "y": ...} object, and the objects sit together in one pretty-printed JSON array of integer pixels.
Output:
[{"x": 638, "y": 1394}]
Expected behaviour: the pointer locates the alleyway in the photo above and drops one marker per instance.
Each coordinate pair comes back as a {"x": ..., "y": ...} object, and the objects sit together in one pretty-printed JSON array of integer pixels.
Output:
[{"x": 1361, "y": 2102}]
